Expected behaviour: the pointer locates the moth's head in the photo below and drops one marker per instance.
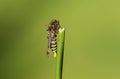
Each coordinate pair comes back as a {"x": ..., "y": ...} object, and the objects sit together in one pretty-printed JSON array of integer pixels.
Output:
[{"x": 55, "y": 24}]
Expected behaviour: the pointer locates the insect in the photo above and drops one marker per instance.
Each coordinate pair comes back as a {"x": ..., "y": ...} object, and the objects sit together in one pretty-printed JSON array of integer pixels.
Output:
[{"x": 53, "y": 28}]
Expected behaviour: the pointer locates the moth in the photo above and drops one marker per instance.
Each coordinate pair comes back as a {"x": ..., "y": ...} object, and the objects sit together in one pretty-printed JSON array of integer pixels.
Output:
[{"x": 53, "y": 28}]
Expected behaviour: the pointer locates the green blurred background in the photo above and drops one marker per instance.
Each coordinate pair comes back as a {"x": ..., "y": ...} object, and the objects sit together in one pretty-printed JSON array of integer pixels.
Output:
[{"x": 92, "y": 45}]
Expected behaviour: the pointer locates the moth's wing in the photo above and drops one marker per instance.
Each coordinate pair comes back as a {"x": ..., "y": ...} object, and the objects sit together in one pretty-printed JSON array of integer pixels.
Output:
[{"x": 49, "y": 42}]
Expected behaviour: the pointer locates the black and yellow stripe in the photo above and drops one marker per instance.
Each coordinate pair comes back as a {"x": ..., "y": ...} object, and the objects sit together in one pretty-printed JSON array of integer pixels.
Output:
[{"x": 54, "y": 45}]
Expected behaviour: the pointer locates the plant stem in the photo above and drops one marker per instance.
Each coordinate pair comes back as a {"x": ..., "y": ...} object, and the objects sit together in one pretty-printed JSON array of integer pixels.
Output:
[{"x": 60, "y": 53}]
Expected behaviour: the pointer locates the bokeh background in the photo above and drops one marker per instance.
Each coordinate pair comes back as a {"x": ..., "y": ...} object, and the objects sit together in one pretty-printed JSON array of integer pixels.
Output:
[{"x": 92, "y": 44}]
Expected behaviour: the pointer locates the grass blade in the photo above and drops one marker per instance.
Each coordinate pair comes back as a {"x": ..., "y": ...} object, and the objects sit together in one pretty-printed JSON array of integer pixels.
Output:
[{"x": 60, "y": 53}]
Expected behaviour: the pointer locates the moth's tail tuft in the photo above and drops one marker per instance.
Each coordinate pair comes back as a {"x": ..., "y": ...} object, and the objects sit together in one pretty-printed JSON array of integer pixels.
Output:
[{"x": 54, "y": 54}]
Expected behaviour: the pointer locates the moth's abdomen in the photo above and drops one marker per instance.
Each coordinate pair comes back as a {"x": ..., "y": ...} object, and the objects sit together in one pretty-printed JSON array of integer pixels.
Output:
[{"x": 54, "y": 45}]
